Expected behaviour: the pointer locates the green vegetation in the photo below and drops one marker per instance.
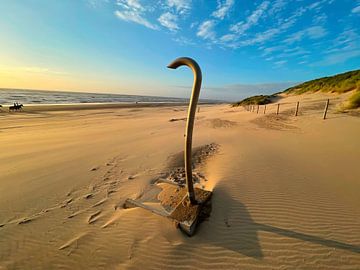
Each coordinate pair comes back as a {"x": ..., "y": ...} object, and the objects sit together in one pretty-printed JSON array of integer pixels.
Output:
[
  {"x": 254, "y": 100},
  {"x": 354, "y": 100},
  {"x": 340, "y": 83}
]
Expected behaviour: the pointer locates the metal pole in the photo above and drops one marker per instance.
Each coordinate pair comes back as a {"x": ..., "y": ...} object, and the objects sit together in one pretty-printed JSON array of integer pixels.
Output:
[
  {"x": 185, "y": 61},
  {"x": 326, "y": 108},
  {"x": 278, "y": 106},
  {"x": 297, "y": 108},
  {"x": 257, "y": 109},
  {"x": 264, "y": 109}
]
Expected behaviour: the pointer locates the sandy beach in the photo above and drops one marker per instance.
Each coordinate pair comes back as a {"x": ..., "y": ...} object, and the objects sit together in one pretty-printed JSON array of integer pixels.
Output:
[{"x": 286, "y": 190}]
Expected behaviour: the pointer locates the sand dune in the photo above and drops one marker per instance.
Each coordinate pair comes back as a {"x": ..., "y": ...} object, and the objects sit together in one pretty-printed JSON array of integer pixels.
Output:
[{"x": 286, "y": 189}]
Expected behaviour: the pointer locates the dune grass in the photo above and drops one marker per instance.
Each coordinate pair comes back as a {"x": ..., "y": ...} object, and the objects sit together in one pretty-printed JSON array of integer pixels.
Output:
[
  {"x": 254, "y": 100},
  {"x": 354, "y": 100},
  {"x": 340, "y": 83}
]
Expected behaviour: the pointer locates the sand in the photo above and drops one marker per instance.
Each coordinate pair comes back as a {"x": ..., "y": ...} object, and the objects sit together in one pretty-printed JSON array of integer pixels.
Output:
[{"x": 286, "y": 190}]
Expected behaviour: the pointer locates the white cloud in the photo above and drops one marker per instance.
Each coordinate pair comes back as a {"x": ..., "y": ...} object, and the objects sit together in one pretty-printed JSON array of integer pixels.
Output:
[
  {"x": 281, "y": 62},
  {"x": 356, "y": 10},
  {"x": 97, "y": 3},
  {"x": 253, "y": 19},
  {"x": 184, "y": 41},
  {"x": 133, "y": 16},
  {"x": 169, "y": 21},
  {"x": 313, "y": 32},
  {"x": 227, "y": 38},
  {"x": 223, "y": 8},
  {"x": 181, "y": 6},
  {"x": 32, "y": 69},
  {"x": 320, "y": 19},
  {"x": 270, "y": 50},
  {"x": 277, "y": 6},
  {"x": 133, "y": 11},
  {"x": 348, "y": 40},
  {"x": 130, "y": 4},
  {"x": 239, "y": 91},
  {"x": 316, "y": 32},
  {"x": 338, "y": 58},
  {"x": 206, "y": 30}
]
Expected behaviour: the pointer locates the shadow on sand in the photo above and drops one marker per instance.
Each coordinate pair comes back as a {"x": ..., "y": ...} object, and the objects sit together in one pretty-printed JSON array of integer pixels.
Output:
[{"x": 231, "y": 227}]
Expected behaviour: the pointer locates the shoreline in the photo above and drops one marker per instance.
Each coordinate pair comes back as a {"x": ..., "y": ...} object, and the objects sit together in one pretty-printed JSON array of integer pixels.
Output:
[{"x": 96, "y": 106}]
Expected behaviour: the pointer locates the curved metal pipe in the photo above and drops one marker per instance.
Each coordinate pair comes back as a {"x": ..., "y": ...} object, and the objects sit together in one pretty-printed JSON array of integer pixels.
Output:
[{"x": 185, "y": 61}]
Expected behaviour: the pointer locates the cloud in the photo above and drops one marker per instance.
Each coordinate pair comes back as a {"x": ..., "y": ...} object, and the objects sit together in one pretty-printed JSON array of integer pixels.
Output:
[
  {"x": 206, "y": 30},
  {"x": 223, "y": 8},
  {"x": 130, "y": 4},
  {"x": 181, "y": 6},
  {"x": 280, "y": 63},
  {"x": 313, "y": 32},
  {"x": 183, "y": 41},
  {"x": 97, "y": 3},
  {"x": 347, "y": 40},
  {"x": 253, "y": 19},
  {"x": 132, "y": 16},
  {"x": 356, "y": 10},
  {"x": 277, "y": 6},
  {"x": 338, "y": 58},
  {"x": 236, "y": 92},
  {"x": 133, "y": 11},
  {"x": 344, "y": 47},
  {"x": 169, "y": 21},
  {"x": 320, "y": 19},
  {"x": 270, "y": 50},
  {"x": 227, "y": 38},
  {"x": 32, "y": 69}
]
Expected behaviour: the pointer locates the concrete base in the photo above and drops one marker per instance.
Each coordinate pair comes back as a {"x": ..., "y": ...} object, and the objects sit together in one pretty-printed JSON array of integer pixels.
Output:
[{"x": 175, "y": 205}]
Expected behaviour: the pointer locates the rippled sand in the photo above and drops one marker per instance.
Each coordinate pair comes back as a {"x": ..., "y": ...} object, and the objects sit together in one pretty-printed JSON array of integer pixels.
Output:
[{"x": 284, "y": 198}]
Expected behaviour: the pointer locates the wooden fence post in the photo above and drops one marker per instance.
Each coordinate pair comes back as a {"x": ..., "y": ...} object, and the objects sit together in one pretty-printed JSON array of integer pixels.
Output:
[
  {"x": 297, "y": 108},
  {"x": 257, "y": 109},
  {"x": 264, "y": 109},
  {"x": 278, "y": 106},
  {"x": 326, "y": 108}
]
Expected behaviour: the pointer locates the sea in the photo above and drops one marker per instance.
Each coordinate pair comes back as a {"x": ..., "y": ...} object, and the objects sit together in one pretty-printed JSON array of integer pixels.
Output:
[{"x": 26, "y": 96}]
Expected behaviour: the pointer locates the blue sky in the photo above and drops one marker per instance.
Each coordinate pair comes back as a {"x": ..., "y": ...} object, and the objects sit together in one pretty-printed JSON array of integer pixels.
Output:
[{"x": 123, "y": 46}]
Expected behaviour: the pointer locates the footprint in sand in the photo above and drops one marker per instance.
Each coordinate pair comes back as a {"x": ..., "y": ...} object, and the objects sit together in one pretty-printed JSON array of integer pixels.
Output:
[
  {"x": 100, "y": 202},
  {"x": 73, "y": 243},
  {"x": 24, "y": 221},
  {"x": 76, "y": 213},
  {"x": 88, "y": 196},
  {"x": 94, "y": 217}
]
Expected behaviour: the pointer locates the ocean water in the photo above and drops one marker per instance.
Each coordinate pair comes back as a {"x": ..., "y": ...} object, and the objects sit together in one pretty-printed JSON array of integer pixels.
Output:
[{"x": 24, "y": 96}]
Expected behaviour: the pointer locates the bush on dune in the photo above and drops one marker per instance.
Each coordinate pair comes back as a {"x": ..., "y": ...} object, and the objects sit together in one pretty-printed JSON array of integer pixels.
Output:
[
  {"x": 254, "y": 100},
  {"x": 354, "y": 100}
]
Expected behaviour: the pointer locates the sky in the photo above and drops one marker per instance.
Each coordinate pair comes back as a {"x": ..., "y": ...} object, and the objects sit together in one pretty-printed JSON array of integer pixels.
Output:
[{"x": 244, "y": 47}]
